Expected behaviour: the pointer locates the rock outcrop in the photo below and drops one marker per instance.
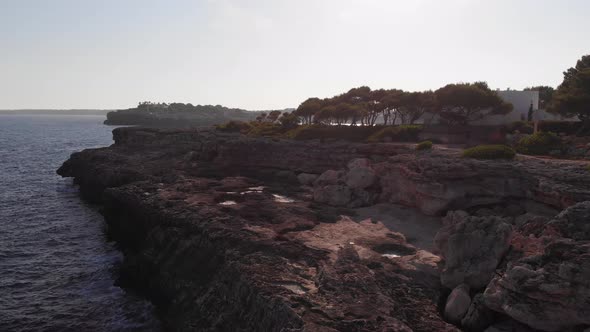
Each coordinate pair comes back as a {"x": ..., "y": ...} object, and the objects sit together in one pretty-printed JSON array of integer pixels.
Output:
[
  {"x": 535, "y": 271},
  {"x": 440, "y": 181},
  {"x": 216, "y": 250},
  {"x": 226, "y": 232},
  {"x": 472, "y": 250},
  {"x": 549, "y": 290}
]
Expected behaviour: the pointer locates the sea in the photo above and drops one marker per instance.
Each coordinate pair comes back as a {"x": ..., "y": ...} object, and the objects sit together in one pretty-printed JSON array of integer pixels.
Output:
[{"x": 57, "y": 267}]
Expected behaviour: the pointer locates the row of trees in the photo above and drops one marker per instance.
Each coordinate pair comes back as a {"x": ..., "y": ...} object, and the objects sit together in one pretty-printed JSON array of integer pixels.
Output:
[{"x": 454, "y": 103}]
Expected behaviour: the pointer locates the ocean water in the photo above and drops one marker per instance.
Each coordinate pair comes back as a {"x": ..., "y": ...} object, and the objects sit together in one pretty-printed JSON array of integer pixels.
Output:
[{"x": 57, "y": 269}]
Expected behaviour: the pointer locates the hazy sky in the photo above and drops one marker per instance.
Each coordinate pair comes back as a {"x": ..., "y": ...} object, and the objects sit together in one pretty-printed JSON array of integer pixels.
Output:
[{"x": 263, "y": 54}]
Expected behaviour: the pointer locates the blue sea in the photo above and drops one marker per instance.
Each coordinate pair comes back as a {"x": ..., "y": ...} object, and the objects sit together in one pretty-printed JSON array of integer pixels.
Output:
[{"x": 57, "y": 268}]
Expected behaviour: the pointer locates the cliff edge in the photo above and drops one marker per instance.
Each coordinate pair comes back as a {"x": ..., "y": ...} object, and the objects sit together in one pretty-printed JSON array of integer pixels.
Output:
[{"x": 226, "y": 232}]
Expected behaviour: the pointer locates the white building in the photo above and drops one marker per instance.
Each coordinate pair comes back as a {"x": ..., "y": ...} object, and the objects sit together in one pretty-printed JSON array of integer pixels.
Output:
[{"x": 522, "y": 101}]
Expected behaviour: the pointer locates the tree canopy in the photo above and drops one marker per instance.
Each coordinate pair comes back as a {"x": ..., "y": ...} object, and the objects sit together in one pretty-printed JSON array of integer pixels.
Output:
[
  {"x": 466, "y": 102},
  {"x": 308, "y": 109},
  {"x": 572, "y": 97},
  {"x": 363, "y": 106},
  {"x": 545, "y": 94}
]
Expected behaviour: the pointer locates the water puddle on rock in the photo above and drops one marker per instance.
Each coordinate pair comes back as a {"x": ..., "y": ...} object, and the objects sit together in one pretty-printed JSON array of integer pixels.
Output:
[
  {"x": 282, "y": 199},
  {"x": 226, "y": 203},
  {"x": 253, "y": 190},
  {"x": 293, "y": 287},
  {"x": 391, "y": 254}
]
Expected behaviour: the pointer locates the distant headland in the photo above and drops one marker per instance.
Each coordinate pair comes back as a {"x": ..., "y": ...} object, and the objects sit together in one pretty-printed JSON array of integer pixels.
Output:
[{"x": 178, "y": 115}]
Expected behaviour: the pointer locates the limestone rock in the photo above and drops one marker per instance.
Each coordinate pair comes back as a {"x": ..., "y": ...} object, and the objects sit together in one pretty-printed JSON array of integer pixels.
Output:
[
  {"x": 550, "y": 292},
  {"x": 161, "y": 183},
  {"x": 360, "y": 198},
  {"x": 574, "y": 222},
  {"x": 359, "y": 163},
  {"x": 457, "y": 304},
  {"x": 360, "y": 177},
  {"x": 454, "y": 217},
  {"x": 478, "y": 317},
  {"x": 472, "y": 250},
  {"x": 328, "y": 177},
  {"x": 307, "y": 179},
  {"x": 335, "y": 195}
]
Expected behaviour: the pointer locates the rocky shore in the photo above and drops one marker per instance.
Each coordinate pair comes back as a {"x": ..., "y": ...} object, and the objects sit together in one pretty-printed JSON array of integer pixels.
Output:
[{"x": 225, "y": 232}]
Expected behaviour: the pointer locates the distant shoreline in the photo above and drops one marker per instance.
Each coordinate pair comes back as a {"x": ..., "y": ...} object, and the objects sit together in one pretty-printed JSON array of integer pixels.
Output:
[{"x": 55, "y": 112}]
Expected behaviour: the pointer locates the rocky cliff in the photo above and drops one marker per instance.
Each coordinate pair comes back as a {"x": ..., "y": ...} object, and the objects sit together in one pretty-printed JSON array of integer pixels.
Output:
[
  {"x": 225, "y": 232},
  {"x": 178, "y": 115}
]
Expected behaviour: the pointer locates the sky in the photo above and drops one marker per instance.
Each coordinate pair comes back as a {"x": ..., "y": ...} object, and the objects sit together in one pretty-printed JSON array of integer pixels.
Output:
[{"x": 274, "y": 54}]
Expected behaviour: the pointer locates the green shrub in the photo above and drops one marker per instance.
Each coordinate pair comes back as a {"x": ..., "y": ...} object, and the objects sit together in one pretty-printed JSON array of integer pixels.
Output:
[
  {"x": 490, "y": 152},
  {"x": 296, "y": 132},
  {"x": 426, "y": 145},
  {"x": 540, "y": 143},
  {"x": 567, "y": 127},
  {"x": 265, "y": 129},
  {"x": 403, "y": 133},
  {"x": 234, "y": 126},
  {"x": 434, "y": 140},
  {"x": 523, "y": 127}
]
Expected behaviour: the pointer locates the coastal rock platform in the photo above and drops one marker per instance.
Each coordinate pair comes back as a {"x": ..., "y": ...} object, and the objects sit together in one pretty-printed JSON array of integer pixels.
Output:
[{"x": 230, "y": 233}]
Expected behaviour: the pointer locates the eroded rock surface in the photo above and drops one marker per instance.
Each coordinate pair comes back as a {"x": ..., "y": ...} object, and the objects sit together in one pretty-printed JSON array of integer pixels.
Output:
[
  {"x": 458, "y": 304},
  {"x": 217, "y": 251},
  {"x": 472, "y": 249},
  {"x": 220, "y": 231},
  {"x": 549, "y": 287},
  {"x": 478, "y": 316}
]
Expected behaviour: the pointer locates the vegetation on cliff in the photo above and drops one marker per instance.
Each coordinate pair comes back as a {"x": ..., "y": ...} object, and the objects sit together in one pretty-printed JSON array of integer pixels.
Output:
[
  {"x": 403, "y": 133},
  {"x": 496, "y": 151},
  {"x": 179, "y": 115},
  {"x": 540, "y": 143},
  {"x": 426, "y": 145}
]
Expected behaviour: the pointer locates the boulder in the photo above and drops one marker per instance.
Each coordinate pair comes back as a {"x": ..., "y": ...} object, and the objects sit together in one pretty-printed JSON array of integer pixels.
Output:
[
  {"x": 472, "y": 250},
  {"x": 307, "y": 179},
  {"x": 328, "y": 177},
  {"x": 549, "y": 292},
  {"x": 454, "y": 217},
  {"x": 361, "y": 197},
  {"x": 335, "y": 195},
  {"x": 457, "y": 304},
  {"x": 478, "y": 317},
  {"x": 360, "y": 177},
  {"x": 359, "y": 162}
]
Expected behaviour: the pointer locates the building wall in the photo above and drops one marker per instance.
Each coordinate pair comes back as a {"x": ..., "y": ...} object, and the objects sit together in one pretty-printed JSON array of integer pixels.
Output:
[{"x": 521, "y": 100}]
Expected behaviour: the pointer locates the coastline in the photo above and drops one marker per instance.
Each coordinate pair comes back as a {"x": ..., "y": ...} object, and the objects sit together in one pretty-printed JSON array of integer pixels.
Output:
[{"x": 261, "y": 264}]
